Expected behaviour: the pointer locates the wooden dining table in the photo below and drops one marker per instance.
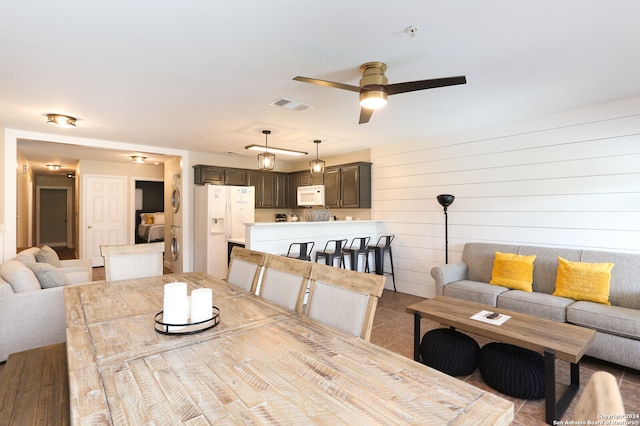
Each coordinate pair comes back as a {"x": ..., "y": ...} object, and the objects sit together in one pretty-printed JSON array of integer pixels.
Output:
[{"x": 262, "y": 364}]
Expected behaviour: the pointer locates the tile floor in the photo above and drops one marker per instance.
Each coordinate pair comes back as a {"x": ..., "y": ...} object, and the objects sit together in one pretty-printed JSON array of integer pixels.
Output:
[{"x": 393, "y": 329}]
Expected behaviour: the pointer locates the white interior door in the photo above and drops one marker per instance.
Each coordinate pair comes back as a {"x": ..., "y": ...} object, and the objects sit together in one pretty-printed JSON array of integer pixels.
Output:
[{"x": 104, "y": 205}]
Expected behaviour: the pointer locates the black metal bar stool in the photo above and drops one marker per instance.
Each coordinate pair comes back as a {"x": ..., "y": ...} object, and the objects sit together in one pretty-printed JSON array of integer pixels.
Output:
[
  {"x": 384, "y": 245},
  {"x": 358, "y": 246},
  {"x": 331, "y": 255},
  {"x": 304, "y": 250}
]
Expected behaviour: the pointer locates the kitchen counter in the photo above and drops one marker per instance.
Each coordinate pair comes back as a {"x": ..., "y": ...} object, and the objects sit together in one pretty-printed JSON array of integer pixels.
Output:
[
  {"x": 275, "y": 237},
  {"x": 329, "y": 222}
]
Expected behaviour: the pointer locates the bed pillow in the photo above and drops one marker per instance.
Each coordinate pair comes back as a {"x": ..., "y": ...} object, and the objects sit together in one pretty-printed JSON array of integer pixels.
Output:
[
  {"x": 48, "y": 255},
  {"x": 48, "y": 275},
  {"x": 513, "y": 271},
  {"x": 158, "y": 218},
  {"x": 148, "y": 218},
  {"x": 20, "y": 278},
  {"x": 583, "y": 281}
]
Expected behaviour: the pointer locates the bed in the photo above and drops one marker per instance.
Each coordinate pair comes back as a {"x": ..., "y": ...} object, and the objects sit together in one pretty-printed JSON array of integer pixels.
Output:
[{"x": 151, "y": 227}]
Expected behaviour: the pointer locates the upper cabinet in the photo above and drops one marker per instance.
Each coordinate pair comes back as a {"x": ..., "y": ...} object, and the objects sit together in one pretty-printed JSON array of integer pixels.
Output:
[
  {"x": 271, "y": 188},
  {"x": 348, "y": 186},
  {"x": 219, "y": 176}
]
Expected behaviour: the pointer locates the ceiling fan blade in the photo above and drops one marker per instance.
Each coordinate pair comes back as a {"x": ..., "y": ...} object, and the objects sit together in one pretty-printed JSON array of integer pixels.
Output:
[
  {"x": 412, "y": 86},
  {"x": 365, "y": 115},
  {"x": 328, "y": 83}
]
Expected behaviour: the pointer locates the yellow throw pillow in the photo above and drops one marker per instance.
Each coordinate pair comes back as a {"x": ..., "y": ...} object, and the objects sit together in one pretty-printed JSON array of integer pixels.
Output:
[
  {"x": 583, "y": 281},
  {"x": 514, "y": 271},
  {"x": 148, "y": 218}
]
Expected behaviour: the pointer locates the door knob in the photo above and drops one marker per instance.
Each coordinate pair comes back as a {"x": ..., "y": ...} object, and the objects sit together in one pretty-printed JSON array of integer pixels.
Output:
[{"x": 89, "y": 226}]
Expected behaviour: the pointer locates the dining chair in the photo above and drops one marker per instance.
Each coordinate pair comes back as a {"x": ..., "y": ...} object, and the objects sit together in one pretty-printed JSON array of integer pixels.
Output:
[
  {"x": 285, "y": 281},
  {"x": 600, "y": 396},
  {"x": 129, "y": 261},
  {"x": 245, "y": 268},
  {"x": 344, "y": 299}
]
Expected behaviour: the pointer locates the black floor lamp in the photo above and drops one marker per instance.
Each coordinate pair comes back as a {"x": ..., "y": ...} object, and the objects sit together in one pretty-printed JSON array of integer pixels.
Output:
[{"x": 445, "y": 201}]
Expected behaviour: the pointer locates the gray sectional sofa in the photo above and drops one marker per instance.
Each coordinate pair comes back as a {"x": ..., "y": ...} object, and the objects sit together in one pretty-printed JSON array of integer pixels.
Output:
[
  {"x": 617, "y": 326},
  {"x": 31, "y": 300}
]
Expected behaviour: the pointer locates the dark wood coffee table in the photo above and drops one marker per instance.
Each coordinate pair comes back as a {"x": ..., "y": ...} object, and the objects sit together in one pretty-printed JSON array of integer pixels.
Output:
[{"x": 552, "y": 338}]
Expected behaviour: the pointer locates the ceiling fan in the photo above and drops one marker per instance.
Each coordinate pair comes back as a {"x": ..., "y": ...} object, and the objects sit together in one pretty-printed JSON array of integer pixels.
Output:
[{"x": 374, "y": 89}]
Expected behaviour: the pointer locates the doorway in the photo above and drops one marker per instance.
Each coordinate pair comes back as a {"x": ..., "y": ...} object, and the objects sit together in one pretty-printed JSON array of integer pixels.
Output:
[{"x": 53, "y": 216}]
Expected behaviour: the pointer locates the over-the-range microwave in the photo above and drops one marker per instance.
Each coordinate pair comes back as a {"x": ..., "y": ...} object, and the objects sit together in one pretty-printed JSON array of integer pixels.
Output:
[{"x": 311, "y": 195}]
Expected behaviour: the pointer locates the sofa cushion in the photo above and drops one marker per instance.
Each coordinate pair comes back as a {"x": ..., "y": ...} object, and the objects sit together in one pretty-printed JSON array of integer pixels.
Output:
[
  {"x": 513, "y": 271},
  {"x": 48, "y": 275},
  {"x": 625, "y": 277},
  {"x": 546, "y": 266},
  {"x": 583, "y": 281},
  {"x": 21, "y": 278},
  {"x": 608, "y": 319},
  {"x": 479, "y": 259},
  {"x": 474, "y": 291},
  {"x": 538, "y": 304},
  {"x": 27, "y": 255},
  {"x": 48, "y": 255}
]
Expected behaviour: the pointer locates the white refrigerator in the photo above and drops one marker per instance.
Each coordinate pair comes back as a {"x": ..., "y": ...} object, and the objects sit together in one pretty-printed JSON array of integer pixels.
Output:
[{"x": 220, "y": 214}]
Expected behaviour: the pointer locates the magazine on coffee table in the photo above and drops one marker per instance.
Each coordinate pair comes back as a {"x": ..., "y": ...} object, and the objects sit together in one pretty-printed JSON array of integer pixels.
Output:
[{"x": 491, "y": 317}]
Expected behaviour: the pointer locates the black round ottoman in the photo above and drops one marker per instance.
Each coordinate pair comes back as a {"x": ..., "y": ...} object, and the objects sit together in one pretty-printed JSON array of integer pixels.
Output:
[
  {"x": 449, "y": 351},
  {"x": 512, "y": 370}
]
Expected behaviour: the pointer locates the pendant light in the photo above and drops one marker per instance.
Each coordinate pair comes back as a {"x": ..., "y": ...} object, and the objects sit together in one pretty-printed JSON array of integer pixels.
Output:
[
  {"x": 266, "y": 160},
  {"x": 317, "y": 165}
]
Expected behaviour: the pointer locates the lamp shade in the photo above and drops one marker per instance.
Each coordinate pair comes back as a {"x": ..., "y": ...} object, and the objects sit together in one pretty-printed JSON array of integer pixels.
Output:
[
  {"x": 316, "y": 166},
  {"x": 266, "y": 160},
  {"x": 445, "y": 200}
]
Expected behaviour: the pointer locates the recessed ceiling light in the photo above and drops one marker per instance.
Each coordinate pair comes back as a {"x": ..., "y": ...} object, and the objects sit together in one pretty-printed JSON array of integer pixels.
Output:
[{"x": 61, "y": 120}]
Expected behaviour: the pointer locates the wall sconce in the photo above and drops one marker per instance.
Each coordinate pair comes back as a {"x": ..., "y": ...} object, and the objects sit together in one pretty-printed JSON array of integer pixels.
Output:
[
  {"x": 316, "y": 166},
  {"x": 61, "y": 120},
  {"x": 138, "y": 159},
  {"x": 266, "y": 160}
]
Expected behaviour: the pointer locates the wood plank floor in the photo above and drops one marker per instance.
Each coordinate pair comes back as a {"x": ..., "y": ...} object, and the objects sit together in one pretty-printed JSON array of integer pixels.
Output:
[{"x": 34, "y": 388}]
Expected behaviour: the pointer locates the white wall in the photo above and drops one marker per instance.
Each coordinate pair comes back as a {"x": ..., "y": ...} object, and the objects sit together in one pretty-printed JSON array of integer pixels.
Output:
[{"x": 567, "y": 180}]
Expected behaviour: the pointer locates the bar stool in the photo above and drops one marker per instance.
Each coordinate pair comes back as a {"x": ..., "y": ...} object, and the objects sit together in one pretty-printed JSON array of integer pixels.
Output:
[
  {"x": 384, "y": 245},
  {"x": 330, "y": 255},
  {"x": 359, "y": 246},
  {"x": 304, "y": 250}
]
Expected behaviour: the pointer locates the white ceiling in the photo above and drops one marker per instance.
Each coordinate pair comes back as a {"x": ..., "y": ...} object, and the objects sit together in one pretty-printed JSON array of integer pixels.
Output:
[{"x": 200, "y": 74}]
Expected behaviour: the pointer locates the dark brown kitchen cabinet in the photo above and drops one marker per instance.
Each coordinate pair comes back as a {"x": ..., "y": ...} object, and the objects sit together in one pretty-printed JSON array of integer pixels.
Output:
[
  {"x": 271, "y": 188},
  {"x": 237, "y": 177},
  {"x": 208, "y": 174},
  {"x": 348, "y": 186}
]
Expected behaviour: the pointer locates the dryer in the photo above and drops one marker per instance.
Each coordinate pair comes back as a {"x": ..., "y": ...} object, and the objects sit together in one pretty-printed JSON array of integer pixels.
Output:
[
  {"x": 176, "y": 200},
  {"x": 175, "y": 255}
]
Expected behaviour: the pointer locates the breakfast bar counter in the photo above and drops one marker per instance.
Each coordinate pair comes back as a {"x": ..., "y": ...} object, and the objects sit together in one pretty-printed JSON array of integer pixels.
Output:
[
  {"x": 275, "y": 237},
  {"x": 261, "y": 365}
]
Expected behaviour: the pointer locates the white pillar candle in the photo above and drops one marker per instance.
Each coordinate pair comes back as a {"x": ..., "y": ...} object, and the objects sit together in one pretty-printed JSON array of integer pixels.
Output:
[
  {"x": 201, "y": 301},
  {"x": 175, "y": 304}
]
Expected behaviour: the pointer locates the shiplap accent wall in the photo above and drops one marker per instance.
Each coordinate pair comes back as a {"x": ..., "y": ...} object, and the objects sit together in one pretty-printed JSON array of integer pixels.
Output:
[{"x": 567, "y": 180}]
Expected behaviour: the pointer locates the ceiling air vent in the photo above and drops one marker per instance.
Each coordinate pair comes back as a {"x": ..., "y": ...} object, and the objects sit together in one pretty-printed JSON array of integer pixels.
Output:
[{"x": 290, "y": 104}]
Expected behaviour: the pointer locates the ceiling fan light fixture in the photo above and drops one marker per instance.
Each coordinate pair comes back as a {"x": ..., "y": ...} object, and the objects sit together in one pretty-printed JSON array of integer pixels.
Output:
[
  {"x": 316, "y": 166},
  {"x": 373, "y": 99},
  {"x": 60, "y": 120},
  {"x": 266, "y": 160}
]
